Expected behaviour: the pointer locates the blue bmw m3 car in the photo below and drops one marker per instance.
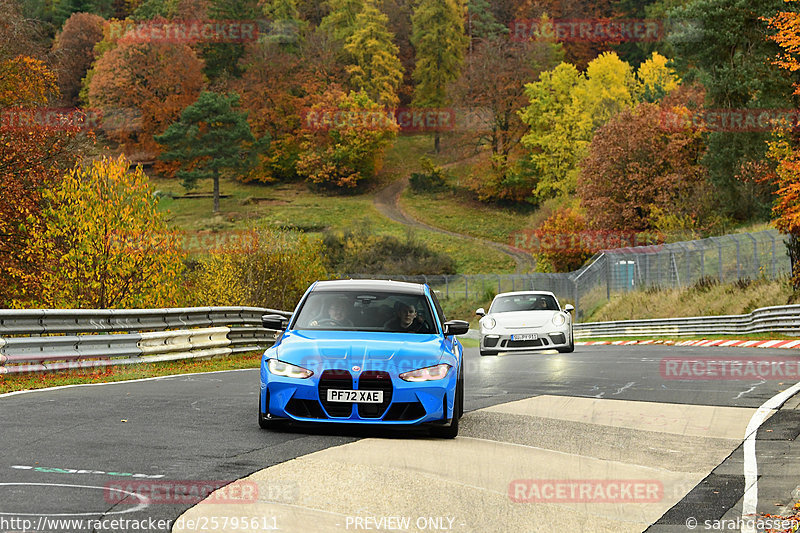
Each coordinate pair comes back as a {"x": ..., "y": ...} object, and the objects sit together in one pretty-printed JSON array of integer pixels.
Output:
[{"x": 365, "y": 352}]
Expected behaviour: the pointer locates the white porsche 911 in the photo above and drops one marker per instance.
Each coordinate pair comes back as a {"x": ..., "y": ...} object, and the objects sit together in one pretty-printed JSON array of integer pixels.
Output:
[{"x": 523, "y": 321}]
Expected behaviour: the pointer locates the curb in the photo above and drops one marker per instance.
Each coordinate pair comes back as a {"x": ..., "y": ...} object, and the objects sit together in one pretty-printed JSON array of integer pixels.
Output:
[{"x": 734, "y": 343}]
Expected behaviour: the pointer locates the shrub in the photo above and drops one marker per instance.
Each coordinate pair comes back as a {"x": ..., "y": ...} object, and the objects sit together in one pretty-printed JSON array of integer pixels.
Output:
[
  {"x": 272, "y": 270},
  {"x": 431, "y": 179},
  {"x": 359, "y": 251}
]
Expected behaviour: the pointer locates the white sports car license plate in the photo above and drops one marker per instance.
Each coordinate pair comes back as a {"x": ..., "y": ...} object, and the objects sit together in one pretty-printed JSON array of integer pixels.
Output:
[
  {"x": 355, "y": 396},
  {"x": 525, "y": 337}
]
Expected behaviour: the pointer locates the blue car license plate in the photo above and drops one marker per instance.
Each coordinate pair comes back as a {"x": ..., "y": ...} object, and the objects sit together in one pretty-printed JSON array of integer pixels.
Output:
[{"x": 355, "y": 396}]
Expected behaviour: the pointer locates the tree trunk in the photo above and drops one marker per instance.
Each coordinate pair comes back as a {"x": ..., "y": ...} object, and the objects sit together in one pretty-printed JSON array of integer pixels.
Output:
[{"x": 216, "y": 191}]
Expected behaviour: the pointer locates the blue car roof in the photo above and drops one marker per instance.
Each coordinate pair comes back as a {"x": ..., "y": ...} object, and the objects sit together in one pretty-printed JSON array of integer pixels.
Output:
[{"x": 370, "y": 284}]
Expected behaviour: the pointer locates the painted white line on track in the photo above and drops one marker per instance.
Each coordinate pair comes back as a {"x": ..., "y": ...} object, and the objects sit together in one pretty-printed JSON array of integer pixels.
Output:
[
  {"x": 28, "y": 391},
  {"x": 750, "y": 500},
  {"x": 144, "y": 501}
]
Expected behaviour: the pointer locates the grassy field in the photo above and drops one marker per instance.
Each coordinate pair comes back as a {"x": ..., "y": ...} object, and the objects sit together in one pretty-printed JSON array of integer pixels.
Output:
[
  {"x": 727, "y": 299},
  {"x": 468, "y": 216},
  {"x": 294, "y": 206},
  {"x": 11, "y": 382}
]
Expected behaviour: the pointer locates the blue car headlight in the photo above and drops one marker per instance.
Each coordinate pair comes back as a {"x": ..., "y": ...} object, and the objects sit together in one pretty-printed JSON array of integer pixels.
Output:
[
  {"x": 431, "y": 373},
  {"x": 279, "y": 368}
]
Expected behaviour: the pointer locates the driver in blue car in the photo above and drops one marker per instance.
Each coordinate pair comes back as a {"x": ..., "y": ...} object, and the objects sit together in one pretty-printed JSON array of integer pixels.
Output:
[
  {"x": 406, "y": 320},
  {"x": 337, "y": 316}
]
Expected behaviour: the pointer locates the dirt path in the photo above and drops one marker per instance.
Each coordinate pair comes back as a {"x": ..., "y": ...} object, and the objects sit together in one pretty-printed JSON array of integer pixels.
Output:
[{"x": 387, "y": 203}]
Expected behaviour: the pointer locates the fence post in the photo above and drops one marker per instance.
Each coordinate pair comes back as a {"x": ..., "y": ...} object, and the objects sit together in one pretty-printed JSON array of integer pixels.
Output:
[
  {"x": 466, "y": 288},
  {"x": 738, "y": 260},
  {"x": 771, "y": 236},
  {"x": 702, "y": 259},
  {"x": 721, "y": 271},
  {"x": 577, "y": 300},
  {"x": 756, "y": 262}
]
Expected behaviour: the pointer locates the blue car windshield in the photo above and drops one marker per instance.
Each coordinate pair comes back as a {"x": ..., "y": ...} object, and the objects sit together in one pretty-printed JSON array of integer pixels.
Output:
[
  {"x": 366, "y": 311},
  {"x": 524, "y": 302}
]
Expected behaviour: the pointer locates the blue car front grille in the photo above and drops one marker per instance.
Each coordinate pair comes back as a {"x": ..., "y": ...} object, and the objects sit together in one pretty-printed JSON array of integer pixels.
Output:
[
  {"x": 335, "y": 379},
  {"x": 375, "y": 380},
  {"x": 369, "y": 380}
]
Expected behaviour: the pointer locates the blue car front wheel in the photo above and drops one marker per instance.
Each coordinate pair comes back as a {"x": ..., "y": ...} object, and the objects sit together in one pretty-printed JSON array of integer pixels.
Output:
[{"x": 450, "y": 429}]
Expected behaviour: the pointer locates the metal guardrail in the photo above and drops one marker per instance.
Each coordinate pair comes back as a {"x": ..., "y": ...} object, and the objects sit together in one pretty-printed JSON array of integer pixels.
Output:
[
  {"x": 39, "y": 340},
  {"x": 778, "y": 319}
]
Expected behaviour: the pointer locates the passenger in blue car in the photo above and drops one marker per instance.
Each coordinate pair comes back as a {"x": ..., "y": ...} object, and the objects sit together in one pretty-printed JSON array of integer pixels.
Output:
[{"x": 406, "y": 320}]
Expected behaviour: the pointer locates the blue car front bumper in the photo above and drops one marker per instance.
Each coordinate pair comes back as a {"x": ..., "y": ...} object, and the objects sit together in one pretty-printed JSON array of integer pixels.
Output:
[{"x": 404, "y": 403}]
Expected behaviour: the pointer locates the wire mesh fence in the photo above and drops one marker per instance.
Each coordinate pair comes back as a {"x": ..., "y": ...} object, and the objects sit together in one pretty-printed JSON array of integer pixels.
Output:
[{"x": 759, "y": 255}]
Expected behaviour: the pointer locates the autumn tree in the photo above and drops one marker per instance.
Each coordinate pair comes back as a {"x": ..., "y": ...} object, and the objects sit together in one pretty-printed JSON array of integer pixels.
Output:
[
  {"x": 277, "y": 89},
  {"x": 560, "y": 243},
  {"x": 73, "y": 50},
  {"x": 25, "y": 81},
  {"x": 731, "y": 55},
  {"x": 375, "y": 67},
  {"x": 639, "y": 169},
  {"x": 786, "y": 209},
  {"x": 559, "y": 131},
  {"x": 104, "y": 243},
  {"x": 493, "y": 81},
  {"x": 783, "y": 150},
  {"x": 341, "y": 20},
  {"x": 655, "y": 79},
  {"x": 141, "y": 88},
  {"x": 286, "y": 26},
  {"x": 345, "y": 140},
  {"x": 271, "y": 270},
  {"x": 440, "y": 43},
  {"x": 210, "y": 140},
  {"x": 19, "y": 34},
  {"x": 567, "y": 107},
  {"x": 32, "y": 160}
]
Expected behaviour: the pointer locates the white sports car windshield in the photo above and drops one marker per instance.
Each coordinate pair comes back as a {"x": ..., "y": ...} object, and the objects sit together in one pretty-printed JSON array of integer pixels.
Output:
[{"x": 524, "y": 302}]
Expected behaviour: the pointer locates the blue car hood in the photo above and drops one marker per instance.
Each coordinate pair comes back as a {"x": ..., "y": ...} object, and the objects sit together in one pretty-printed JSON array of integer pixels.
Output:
[{"x": 343, "y": 350}]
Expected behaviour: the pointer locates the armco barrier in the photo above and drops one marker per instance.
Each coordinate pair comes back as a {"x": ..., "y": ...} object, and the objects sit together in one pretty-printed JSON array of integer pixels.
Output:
[
  {"x": 39, "y": 340},
  {"x": 779, "y": 319}
]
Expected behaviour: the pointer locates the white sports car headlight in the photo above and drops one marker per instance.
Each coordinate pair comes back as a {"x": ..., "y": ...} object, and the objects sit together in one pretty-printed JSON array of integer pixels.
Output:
[
  {"x": 279, "y": 368},
  {"x": 488, "y": 322},
  {"x": 559, "y": 319}
]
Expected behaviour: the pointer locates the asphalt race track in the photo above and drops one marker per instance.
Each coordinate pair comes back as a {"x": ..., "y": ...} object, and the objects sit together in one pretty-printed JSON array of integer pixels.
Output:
[{"x": 73, "y": 459}]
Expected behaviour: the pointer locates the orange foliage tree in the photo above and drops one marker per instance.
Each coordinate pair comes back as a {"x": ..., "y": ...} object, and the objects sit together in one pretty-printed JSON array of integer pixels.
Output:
[
  {"x": 784, "y": 151},
  {"x": 141, "y": 88},
  {"x": 639, "y": 167},
  {"x": 560, "y": 245},
  {"x": 25, "y": 81},
  {"x": 74, "y": 52},
  {"x": 344, "y": 141},
  {"x": 32, "y": 158}
]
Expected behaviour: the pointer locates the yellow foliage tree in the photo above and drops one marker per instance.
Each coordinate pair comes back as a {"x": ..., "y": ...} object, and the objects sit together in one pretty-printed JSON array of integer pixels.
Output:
[
  {"x": 25, "y": 81},
  {"x": 103, "y": 244},
  {"x": 656, "y": 79},
  {"x": 273, "y": 269}
]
